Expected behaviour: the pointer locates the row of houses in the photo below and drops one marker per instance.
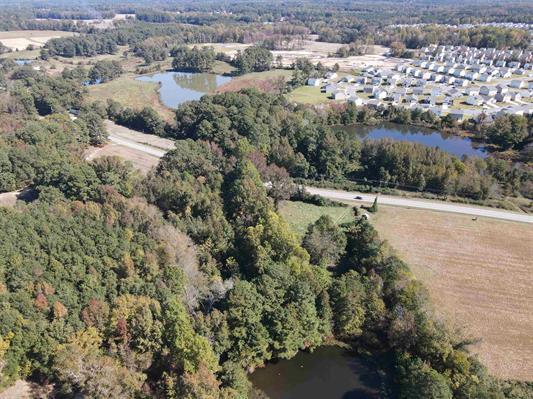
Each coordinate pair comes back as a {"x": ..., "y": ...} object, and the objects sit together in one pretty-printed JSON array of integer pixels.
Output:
[
  {"x": 382, "y": 87},
  {"x": 479, "y": 73},
  {"x": 516, "y": 58}
]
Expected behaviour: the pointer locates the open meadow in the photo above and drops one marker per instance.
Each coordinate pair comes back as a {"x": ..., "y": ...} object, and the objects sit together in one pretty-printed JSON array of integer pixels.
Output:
[
  {"x": 19, "y": 40},
  {"x": 131, "y": 93},
  {"x": 479, "y": 274}
]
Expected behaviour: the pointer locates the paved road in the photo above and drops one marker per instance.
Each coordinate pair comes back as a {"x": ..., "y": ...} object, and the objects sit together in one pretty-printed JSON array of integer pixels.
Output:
[
  {"x": 383, "y": 199},
  {"x": 423, "y": 204}
]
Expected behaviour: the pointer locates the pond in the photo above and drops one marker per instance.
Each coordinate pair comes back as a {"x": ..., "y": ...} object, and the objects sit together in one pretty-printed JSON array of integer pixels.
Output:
[
  {"x": 178, "y": 87},
  {"x": 329, "y": 372},
  {"x": 452, "y": 144}
]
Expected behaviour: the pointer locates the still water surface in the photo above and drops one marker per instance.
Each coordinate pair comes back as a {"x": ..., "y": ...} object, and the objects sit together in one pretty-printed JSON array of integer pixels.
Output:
[
  {"x": 454, "y": 145},
  {"x": 327, "y": 373},
  {"x": 178, "y": 87}
]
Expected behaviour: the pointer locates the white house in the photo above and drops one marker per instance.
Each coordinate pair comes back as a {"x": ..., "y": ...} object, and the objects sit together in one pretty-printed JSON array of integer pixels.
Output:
[
  {"x": 339, "y": 95},
  {"x": 484, "y": 77},
  {"x": 331, "y": 75},
  {"x": 380, "y": 95},
  {"x": 315, "y": 82},
  {"x": 502, "y": 88},
  {"x": 517, "y": 84},
  {"x": 330, "y": 88},
  {"x": 503, "y": 97},
  {"x": 472, "y": 75},
  {"x": 474, "y": 100},
  {"x": 355, "y": 100},
  {"x": 488, "y": 91},
  {"x": 472, "y": 92}
]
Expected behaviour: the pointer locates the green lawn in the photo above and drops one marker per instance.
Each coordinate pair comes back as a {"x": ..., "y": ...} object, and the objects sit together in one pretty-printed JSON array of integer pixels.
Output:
[
  {"x": 23, "y": 54},
  {"x": 299, "y": 215},
  {"x": 308, "y": 95},
  {"x": 222, "y": 68}
]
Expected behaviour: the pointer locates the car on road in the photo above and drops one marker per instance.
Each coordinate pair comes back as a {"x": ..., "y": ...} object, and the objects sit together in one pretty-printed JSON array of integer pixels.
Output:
[{"x": 358, "y": 197}]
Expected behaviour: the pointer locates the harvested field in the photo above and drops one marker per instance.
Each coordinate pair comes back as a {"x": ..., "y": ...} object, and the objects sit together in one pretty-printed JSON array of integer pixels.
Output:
[
  {"x": 479, "y": 275},
  {"x": 270, "y": 81},
  {"x": 20, "y": 39}
]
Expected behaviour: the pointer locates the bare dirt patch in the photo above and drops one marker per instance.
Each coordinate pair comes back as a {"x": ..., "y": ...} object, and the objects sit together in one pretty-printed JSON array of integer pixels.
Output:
[
  {"x": 479, "y": 275},
  {"x": 21, "y": 39},
  {"x": 9, "y": 199},
  {"x": 140, "y": 159}
]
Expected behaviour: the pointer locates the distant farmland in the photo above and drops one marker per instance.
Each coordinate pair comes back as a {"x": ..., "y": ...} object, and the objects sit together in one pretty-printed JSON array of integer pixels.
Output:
[{"x": 20, "y": 39}]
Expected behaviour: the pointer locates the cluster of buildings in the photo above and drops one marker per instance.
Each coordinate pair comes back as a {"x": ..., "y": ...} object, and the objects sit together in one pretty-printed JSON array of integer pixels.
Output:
[{"x": 460, "y": 81}]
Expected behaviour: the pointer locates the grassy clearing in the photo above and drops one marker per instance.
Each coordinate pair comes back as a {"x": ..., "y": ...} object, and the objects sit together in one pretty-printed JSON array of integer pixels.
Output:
[
  {"x": 24, "y": 54},
  {"x": 479, "y": 274},
  {"x": 56, "y": 65},
  {"x": 308, "y": 95},
  {"x": 267, "y": 81},
  {"x": 222, "y": 68},
  {"x": 131, "y": 93},
  {"x": 299, "y": 215}
]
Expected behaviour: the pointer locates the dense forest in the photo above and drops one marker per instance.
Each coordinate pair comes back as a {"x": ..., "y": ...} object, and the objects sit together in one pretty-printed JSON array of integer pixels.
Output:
[
  {"x": 306, "y": 143},
  {"x": 179, "y": 283}
]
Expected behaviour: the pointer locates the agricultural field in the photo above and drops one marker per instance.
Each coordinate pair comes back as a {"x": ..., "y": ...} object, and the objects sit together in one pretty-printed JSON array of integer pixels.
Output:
[
  {"x": 131, "y": 93},
  {"x": 479, "y": 274},
  {"x": 20, "y": 39}
]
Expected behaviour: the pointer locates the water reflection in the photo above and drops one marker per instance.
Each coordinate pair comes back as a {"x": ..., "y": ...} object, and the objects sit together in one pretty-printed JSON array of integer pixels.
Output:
[
  {"x": 328, "y": 372},
  {"x": 178, "y": 87},
  {"x": 455, "y": 145}
]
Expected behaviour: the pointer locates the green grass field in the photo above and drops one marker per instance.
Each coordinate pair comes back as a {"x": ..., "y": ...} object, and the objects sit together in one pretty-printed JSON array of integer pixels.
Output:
[
  {"x": 308, "y": 95},
  {"x": 222, "y": 68},
  {"x": 299, "y": 215}
]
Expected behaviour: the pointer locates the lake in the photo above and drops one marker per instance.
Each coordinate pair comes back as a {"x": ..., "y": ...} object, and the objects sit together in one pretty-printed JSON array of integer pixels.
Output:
[
  {"x": 329, "y": 372},
  {"x": 454, "y": 145},
  {"x": 178, "y": 87}
]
